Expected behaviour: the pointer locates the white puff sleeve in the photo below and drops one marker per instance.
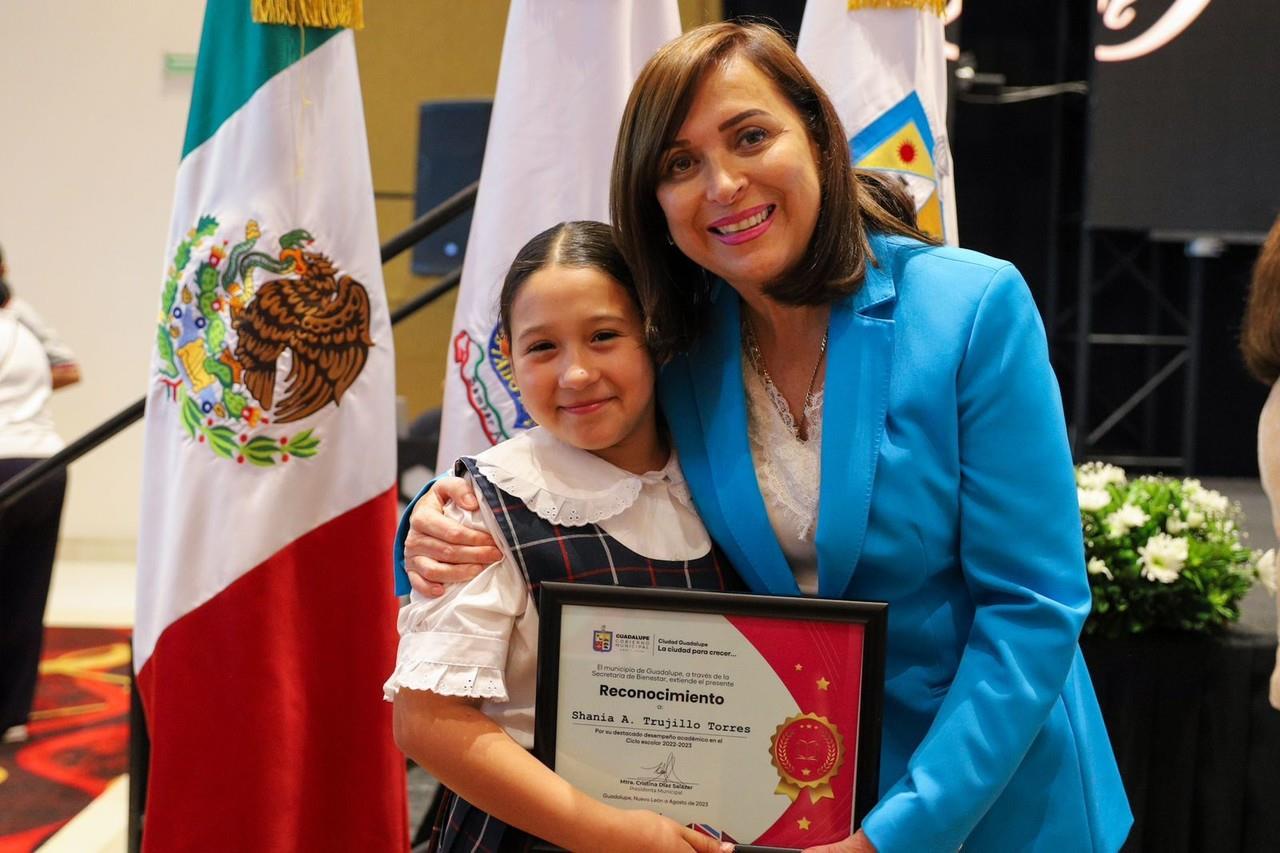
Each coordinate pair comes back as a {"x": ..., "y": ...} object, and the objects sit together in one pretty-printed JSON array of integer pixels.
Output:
[{"x": 457, "y": 644}]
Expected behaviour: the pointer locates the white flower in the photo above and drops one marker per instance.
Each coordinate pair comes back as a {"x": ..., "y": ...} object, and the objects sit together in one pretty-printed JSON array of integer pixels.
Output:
[
  {"x": 1099, "y": 475},
  {"x": 1267, "y": 570},
  {"x": 1162, "y": 558},
  {"x": 1210, "y": 501},
  {"x": 1125, "y": 519},
  {"x": 1099, "y": 567},
  {"x": 1092, "y": 500},
  {"x": 1174, "y": 525},
  {"x": 1195, "y": 519}
]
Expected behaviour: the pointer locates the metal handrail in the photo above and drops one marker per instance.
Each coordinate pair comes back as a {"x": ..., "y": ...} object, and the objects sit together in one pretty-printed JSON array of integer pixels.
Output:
[{"x": 422, "y": 227}]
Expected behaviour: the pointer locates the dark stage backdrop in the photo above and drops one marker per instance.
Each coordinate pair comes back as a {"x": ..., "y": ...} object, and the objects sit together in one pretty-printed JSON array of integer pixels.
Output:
[
  {"x": 1020, "y": 177},
  {"x": 1185, "y": 137}
]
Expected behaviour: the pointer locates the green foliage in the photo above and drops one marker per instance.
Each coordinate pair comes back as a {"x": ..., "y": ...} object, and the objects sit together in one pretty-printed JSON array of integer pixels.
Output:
[
  {"x": 1163, "y": 554},
  {"x": 215, "y": 330},
  {"x": 234, "y": 402},
  {"x": 218, "y": 370},
  {"x": 205, "y": 227},
  {"x": 261, "y": 451},
  {"x": 303, "y": 444},
  {"x": 223, "y": 441},
  {"x": 191, "y": 418},
  {"x": 207, "y": 281},
  {"x": 164, "y": 348},
  {"x": 168, "y": 296}
]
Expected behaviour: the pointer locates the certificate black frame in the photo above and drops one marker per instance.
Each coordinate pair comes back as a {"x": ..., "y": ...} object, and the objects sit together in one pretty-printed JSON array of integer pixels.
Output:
[{"x": 872, "y": 615}]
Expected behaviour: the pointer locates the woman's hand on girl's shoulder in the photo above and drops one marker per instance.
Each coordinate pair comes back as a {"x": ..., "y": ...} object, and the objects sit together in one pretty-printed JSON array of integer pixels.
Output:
[
  {"x": 439, "y": 550},
  {"x": 649, "y": 832}
]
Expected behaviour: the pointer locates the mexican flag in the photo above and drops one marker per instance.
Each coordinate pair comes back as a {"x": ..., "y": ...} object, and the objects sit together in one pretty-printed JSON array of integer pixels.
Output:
[
  {"x": 567, "y": 68},
  {"x": 265, "y": 619},
  {"x": 883, "y": 62}
]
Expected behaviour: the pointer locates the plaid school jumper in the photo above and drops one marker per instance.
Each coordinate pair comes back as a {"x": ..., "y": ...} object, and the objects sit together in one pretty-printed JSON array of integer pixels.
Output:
[{"x": 549, "y": 552}]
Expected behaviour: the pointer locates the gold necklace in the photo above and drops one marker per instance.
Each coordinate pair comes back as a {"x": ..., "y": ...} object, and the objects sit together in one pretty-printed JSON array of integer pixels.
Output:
[{"x": 757, "y": 362}]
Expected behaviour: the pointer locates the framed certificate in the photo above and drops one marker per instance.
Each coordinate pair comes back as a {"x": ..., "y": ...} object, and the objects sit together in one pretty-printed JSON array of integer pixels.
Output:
[{"x": 754, "y": 717}]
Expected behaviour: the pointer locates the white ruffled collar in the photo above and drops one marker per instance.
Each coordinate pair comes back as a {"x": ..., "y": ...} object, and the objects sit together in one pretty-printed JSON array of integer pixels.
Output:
[{"x": 569, "y": 486}]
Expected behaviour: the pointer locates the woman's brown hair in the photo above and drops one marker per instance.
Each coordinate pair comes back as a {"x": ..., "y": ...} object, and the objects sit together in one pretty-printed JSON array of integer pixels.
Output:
[
  {"x": 1260, "y": 337},
  {"x": 673, "y": 289}
]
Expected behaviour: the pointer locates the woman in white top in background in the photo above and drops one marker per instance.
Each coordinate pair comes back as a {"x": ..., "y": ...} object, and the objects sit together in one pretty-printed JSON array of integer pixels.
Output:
[
  {"x": 32, "y": 363},
  {"x": 1260, "y": 343}
]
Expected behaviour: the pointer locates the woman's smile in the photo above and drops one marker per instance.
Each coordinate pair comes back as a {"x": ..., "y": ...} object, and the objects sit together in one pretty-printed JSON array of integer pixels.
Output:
[{"x": 744, "y": 226}]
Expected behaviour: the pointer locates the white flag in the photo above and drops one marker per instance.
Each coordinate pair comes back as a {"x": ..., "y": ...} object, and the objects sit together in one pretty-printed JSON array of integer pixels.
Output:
[
  {"x": 883, "y": 63},
  {"x": 567, "y": 68}
]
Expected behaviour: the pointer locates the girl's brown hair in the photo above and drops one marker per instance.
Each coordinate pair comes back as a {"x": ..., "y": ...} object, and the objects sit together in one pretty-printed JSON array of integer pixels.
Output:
[
  {"x": 673, "y": 289},
  {"x": 577, "y": 244},
  {"x": 1260, "y": 337}
]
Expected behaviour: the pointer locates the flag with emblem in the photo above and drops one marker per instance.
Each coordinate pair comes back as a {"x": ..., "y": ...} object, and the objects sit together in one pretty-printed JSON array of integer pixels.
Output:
[
  {"x": 265, "y": 619},
  {"x": 547, "y": 159},
  {"x": 883, "y": 63}
]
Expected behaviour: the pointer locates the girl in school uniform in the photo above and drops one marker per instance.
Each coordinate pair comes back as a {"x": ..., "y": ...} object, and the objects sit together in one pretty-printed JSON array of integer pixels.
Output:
[{"x": 594, "y": 494}]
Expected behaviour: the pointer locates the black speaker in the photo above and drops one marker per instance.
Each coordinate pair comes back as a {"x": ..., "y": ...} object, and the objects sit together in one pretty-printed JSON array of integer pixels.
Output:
[
  {"x": 451, "y": 137},
  {"x": 785, "y": 14}
]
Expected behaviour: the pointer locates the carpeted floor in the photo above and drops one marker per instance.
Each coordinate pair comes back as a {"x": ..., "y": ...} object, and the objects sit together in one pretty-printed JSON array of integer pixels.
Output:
[{"x": 79, "y": 735}]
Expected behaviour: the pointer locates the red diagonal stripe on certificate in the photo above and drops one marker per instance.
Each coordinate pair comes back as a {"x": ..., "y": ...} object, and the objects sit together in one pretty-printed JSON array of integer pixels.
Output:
[{"x": 820, "y": 664}]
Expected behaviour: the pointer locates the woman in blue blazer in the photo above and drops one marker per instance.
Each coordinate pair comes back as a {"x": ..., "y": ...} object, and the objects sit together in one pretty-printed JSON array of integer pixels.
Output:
[{"x": 917, "y": 378}]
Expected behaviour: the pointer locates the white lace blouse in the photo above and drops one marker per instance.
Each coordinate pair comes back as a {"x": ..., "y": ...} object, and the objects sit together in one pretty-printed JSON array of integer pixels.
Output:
[
  {"x": 788, "y": 471},
  {"x": 480, "y": 639}
]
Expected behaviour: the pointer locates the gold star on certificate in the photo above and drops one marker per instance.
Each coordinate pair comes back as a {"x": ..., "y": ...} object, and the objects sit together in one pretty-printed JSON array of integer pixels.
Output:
[
  {"x": 799, "y": 667},
  {"x": 823, "y": 684},
  {"x": 803, "y": 823}
]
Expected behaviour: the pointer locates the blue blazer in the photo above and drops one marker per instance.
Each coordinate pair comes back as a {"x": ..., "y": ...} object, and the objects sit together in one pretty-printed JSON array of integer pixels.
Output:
[{"x": 948, "y": 491}]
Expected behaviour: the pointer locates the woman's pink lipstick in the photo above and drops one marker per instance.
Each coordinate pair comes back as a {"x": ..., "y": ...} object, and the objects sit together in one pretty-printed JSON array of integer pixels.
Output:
[{"x": 733, "y": 238}]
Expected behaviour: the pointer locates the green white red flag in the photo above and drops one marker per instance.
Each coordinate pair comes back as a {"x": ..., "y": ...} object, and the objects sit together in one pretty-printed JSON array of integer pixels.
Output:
[{"x": 265, "y": 619}]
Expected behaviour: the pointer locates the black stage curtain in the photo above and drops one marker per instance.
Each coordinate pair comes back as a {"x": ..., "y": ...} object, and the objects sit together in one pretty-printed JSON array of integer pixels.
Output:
[{"x": 1197, "y": 741}]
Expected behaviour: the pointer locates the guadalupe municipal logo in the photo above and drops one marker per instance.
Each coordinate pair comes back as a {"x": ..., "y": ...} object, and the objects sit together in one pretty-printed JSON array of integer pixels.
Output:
[
  {"x": 900, "y": 142},
  {"x": 602, "y": 640},
  {"x": 223, "y": 337}
]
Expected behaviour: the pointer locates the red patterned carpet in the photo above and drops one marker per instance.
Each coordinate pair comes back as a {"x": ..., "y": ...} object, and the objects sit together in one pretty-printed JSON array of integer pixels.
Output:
[{"x": 79, "y": 735}]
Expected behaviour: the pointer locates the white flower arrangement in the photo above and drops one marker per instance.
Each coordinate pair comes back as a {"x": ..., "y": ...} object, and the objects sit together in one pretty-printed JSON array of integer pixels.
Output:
[
  {"x": 1163, "y": 553},
  {"x": 1162, "y": 558}
]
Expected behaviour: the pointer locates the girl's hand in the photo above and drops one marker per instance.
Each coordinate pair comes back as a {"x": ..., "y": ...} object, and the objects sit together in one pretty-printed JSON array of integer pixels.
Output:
[
  {"x": 856, "y": 843},
  {"x": 649, "y": 832},
  {"x": 438, "y": 550}
]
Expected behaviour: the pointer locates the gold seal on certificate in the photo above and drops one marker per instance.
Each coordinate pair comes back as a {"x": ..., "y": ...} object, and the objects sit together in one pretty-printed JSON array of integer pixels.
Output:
[
  {"x": 807, "y": 751},
  {"x": 753, "y": 718}
]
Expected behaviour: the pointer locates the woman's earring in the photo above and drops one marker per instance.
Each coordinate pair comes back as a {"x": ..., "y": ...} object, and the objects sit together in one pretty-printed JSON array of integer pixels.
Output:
[{"x": 670, "y": 242}]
